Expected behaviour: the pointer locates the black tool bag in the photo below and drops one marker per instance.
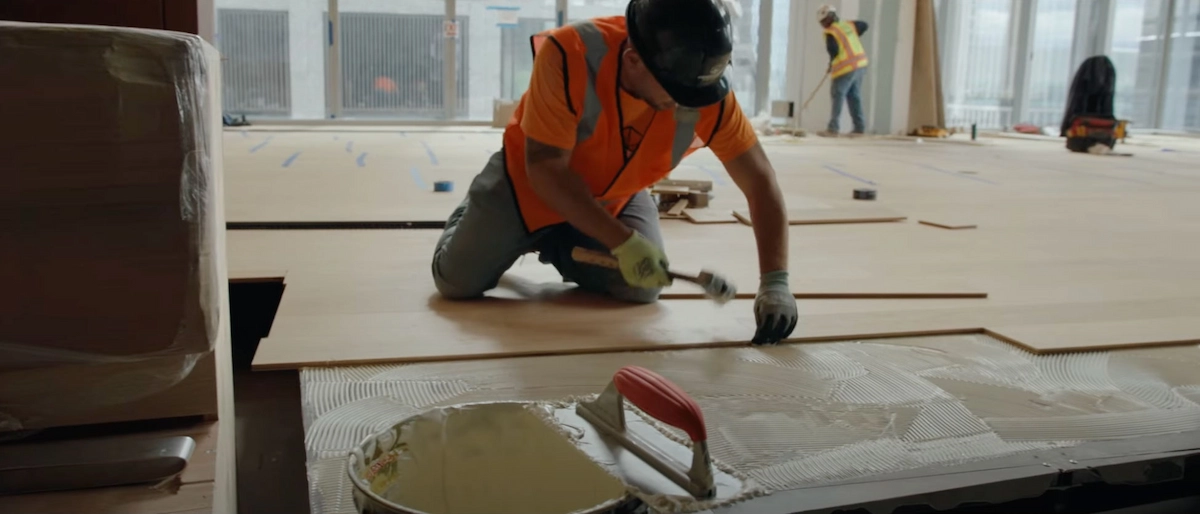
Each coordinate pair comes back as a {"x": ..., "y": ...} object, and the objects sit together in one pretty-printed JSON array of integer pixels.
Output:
[{"x": 1089, "y": 118}]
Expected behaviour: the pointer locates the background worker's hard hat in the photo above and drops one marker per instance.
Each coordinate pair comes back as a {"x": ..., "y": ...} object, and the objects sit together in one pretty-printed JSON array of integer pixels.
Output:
[
  {"x": 825, "y": 11},
  {"x": 686, "y": 45}
]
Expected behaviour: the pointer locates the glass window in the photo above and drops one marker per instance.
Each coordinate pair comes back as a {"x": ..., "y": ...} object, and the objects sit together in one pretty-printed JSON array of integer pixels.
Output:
[
  {"x": 392, "y": 63},
  {"x": 1137, "y": 50},
  {"x": 781, "y": 17},
  {"x": 1050, "y": 70},
  {"x": 500, "y": 57},
  {"x": 273, "y": 57},
  {"x": 744, "y": 14},
  {"x": 976, "y": 80},
  {"x": 1182, "y": 101}
]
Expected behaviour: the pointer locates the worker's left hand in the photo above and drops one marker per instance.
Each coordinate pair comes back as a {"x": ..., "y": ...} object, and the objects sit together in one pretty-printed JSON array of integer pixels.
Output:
[{"x": 774, "y": 309}]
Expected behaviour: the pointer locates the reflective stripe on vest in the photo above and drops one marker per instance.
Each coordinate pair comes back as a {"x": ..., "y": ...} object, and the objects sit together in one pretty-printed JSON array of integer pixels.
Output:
[
  {"x": 597, "y": 49},
  {"x": 685, "y": 132},
  {"x": 591, "y": 66},
  {"x": 851, "y": 55}
]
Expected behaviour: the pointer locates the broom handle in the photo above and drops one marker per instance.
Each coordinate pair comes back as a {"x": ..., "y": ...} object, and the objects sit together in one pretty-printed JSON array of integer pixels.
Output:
[{"x": 814, "y": 93}]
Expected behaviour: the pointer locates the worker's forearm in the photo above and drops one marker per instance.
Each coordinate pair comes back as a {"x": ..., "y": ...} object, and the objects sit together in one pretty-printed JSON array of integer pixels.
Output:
[
  {"x": 566, "y": 192},
  {"x": 769, "y": 215},
  {"x": 754, "y": 176}
]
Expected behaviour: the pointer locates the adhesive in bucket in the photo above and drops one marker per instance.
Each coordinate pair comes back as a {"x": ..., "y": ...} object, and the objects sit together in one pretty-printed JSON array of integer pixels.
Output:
[
  {"x": 443, "y": 186},
  {"x": 499, "y": 458}
]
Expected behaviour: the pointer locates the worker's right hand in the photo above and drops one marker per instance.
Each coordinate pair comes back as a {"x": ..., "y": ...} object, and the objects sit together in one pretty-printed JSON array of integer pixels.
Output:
[
  {"x": 774, "y": 309},
  {"x": 642, "y": 263}
]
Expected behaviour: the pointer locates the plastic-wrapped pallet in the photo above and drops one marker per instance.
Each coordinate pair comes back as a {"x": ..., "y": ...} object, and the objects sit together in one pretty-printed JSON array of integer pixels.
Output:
[{"x": 112, "y": 253}]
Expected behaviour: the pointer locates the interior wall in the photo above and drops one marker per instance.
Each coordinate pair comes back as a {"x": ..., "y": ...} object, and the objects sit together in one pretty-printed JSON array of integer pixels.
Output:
[{"x": 889, "y": 46}]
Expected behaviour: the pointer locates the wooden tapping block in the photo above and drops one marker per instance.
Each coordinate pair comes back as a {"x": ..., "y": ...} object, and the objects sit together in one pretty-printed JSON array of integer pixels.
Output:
[
  {"x": 948, "y": 226},
  {"x": 669, "y": 190},
  {"x": 677, "y": 209},
  {"x": 702, "y": 186},
  {"x": 1100, "y": 335},
  {"x": 832, "y": 216},
  {"x": 699, "y": 200},
  {"x": 707, "y": 216}
]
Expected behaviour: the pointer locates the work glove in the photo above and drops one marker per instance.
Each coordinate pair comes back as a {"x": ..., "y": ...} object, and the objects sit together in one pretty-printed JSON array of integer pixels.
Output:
[
  {"x": 642, "y": 263},
  {"x": 774, "y": 309}
]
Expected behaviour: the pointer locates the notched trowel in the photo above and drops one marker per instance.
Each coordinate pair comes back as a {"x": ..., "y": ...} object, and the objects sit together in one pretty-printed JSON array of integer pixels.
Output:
[{"x": 642, "y": 455}]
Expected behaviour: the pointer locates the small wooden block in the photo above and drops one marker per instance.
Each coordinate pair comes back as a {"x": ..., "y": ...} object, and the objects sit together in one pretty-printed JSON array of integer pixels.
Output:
[
  {"x": 836, "y": 215},
  {"x": 659, "y": 189},
  {"x": 702, "y": 186},
  {"x": 947, "y": 226},
  {"x": 708, "y": 216},
  {"x": 677, "y": 209},
  {"x": 698, "y": 199}
]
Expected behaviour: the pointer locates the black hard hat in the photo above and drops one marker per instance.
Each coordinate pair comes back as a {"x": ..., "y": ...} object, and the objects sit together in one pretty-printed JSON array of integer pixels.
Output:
[{"x": 686, "y": 44}]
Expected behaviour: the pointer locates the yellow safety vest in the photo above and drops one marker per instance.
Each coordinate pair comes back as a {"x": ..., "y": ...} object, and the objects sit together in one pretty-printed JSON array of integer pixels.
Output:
[{"x": 851, "y": 55}]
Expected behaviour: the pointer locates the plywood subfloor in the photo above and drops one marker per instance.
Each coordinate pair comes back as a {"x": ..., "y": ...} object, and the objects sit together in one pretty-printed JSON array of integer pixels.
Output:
[{"x": 1063, "y": 239}]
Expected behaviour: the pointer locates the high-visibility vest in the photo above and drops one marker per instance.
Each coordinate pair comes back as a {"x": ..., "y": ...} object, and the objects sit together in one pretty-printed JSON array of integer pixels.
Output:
[
  {"x": 851, "y": 55},
  {"x": 592, "y": 55}
]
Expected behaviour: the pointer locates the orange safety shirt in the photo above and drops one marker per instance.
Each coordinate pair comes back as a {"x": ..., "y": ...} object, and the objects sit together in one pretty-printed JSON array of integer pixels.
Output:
[{"x": 620, "y": 145}]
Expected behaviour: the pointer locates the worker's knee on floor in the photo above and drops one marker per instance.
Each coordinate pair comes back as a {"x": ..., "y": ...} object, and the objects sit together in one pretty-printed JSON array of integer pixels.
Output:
[
  {"x": 636, "y": 294},
  {"x": 452, "y": 289}
]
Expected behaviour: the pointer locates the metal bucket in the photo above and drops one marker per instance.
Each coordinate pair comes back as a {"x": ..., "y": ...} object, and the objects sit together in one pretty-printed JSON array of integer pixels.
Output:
[
  {"x": 500, "y": 458},
  {"x": 530, "y": 458}
]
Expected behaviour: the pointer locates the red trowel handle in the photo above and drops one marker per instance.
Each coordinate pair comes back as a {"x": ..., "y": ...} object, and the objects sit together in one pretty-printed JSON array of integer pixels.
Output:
[{"x": 662, "y": 399}]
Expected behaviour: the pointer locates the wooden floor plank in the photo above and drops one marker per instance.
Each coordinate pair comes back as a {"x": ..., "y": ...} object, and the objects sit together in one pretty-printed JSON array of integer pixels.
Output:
[
  {"x": 708, "y": 216},
  {"x": 948, "y": 225},
  {"x": 1065, "y": 243},
  {"x": 1101, "y": 335},
  {"x": 832, "y": 216}
]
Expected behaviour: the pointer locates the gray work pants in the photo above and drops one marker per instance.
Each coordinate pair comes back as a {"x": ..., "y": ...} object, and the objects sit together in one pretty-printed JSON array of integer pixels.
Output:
[{"x": 485, "y": 236}]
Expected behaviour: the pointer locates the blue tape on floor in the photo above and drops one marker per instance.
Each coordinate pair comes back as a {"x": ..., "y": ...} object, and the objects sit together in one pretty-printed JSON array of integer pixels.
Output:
[
  {"x": 429, "y": 151},
  {"x": 959, "y": 175},
  {"x": 362, "y": 160},
  {"x": 417, "y": 178},
  {"x": 848, "y": 175},
  {"x": 291, "y": 159},
  {"x": 259, "y": 146}
]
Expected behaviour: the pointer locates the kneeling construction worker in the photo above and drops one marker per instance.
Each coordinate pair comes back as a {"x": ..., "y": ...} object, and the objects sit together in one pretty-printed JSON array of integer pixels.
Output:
[
  {"x": 847, "y": 65},
  {"x": 613, "y": 105}
]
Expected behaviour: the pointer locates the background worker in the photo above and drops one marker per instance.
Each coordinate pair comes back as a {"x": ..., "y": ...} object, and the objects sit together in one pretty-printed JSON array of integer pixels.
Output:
[
  {"x": 847, "y": 65},
  {"x": 613, "y": 105}
]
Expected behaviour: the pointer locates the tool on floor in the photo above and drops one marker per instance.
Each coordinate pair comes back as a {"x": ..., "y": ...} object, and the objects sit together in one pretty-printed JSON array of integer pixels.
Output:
[
  {"x": 662, "y": 400},
  {"x": 443, "y": 186},
  {"x": 85, "y": 463},
  {"x": 715, "y": 286},
  {"x": 864, "y": 194}
]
